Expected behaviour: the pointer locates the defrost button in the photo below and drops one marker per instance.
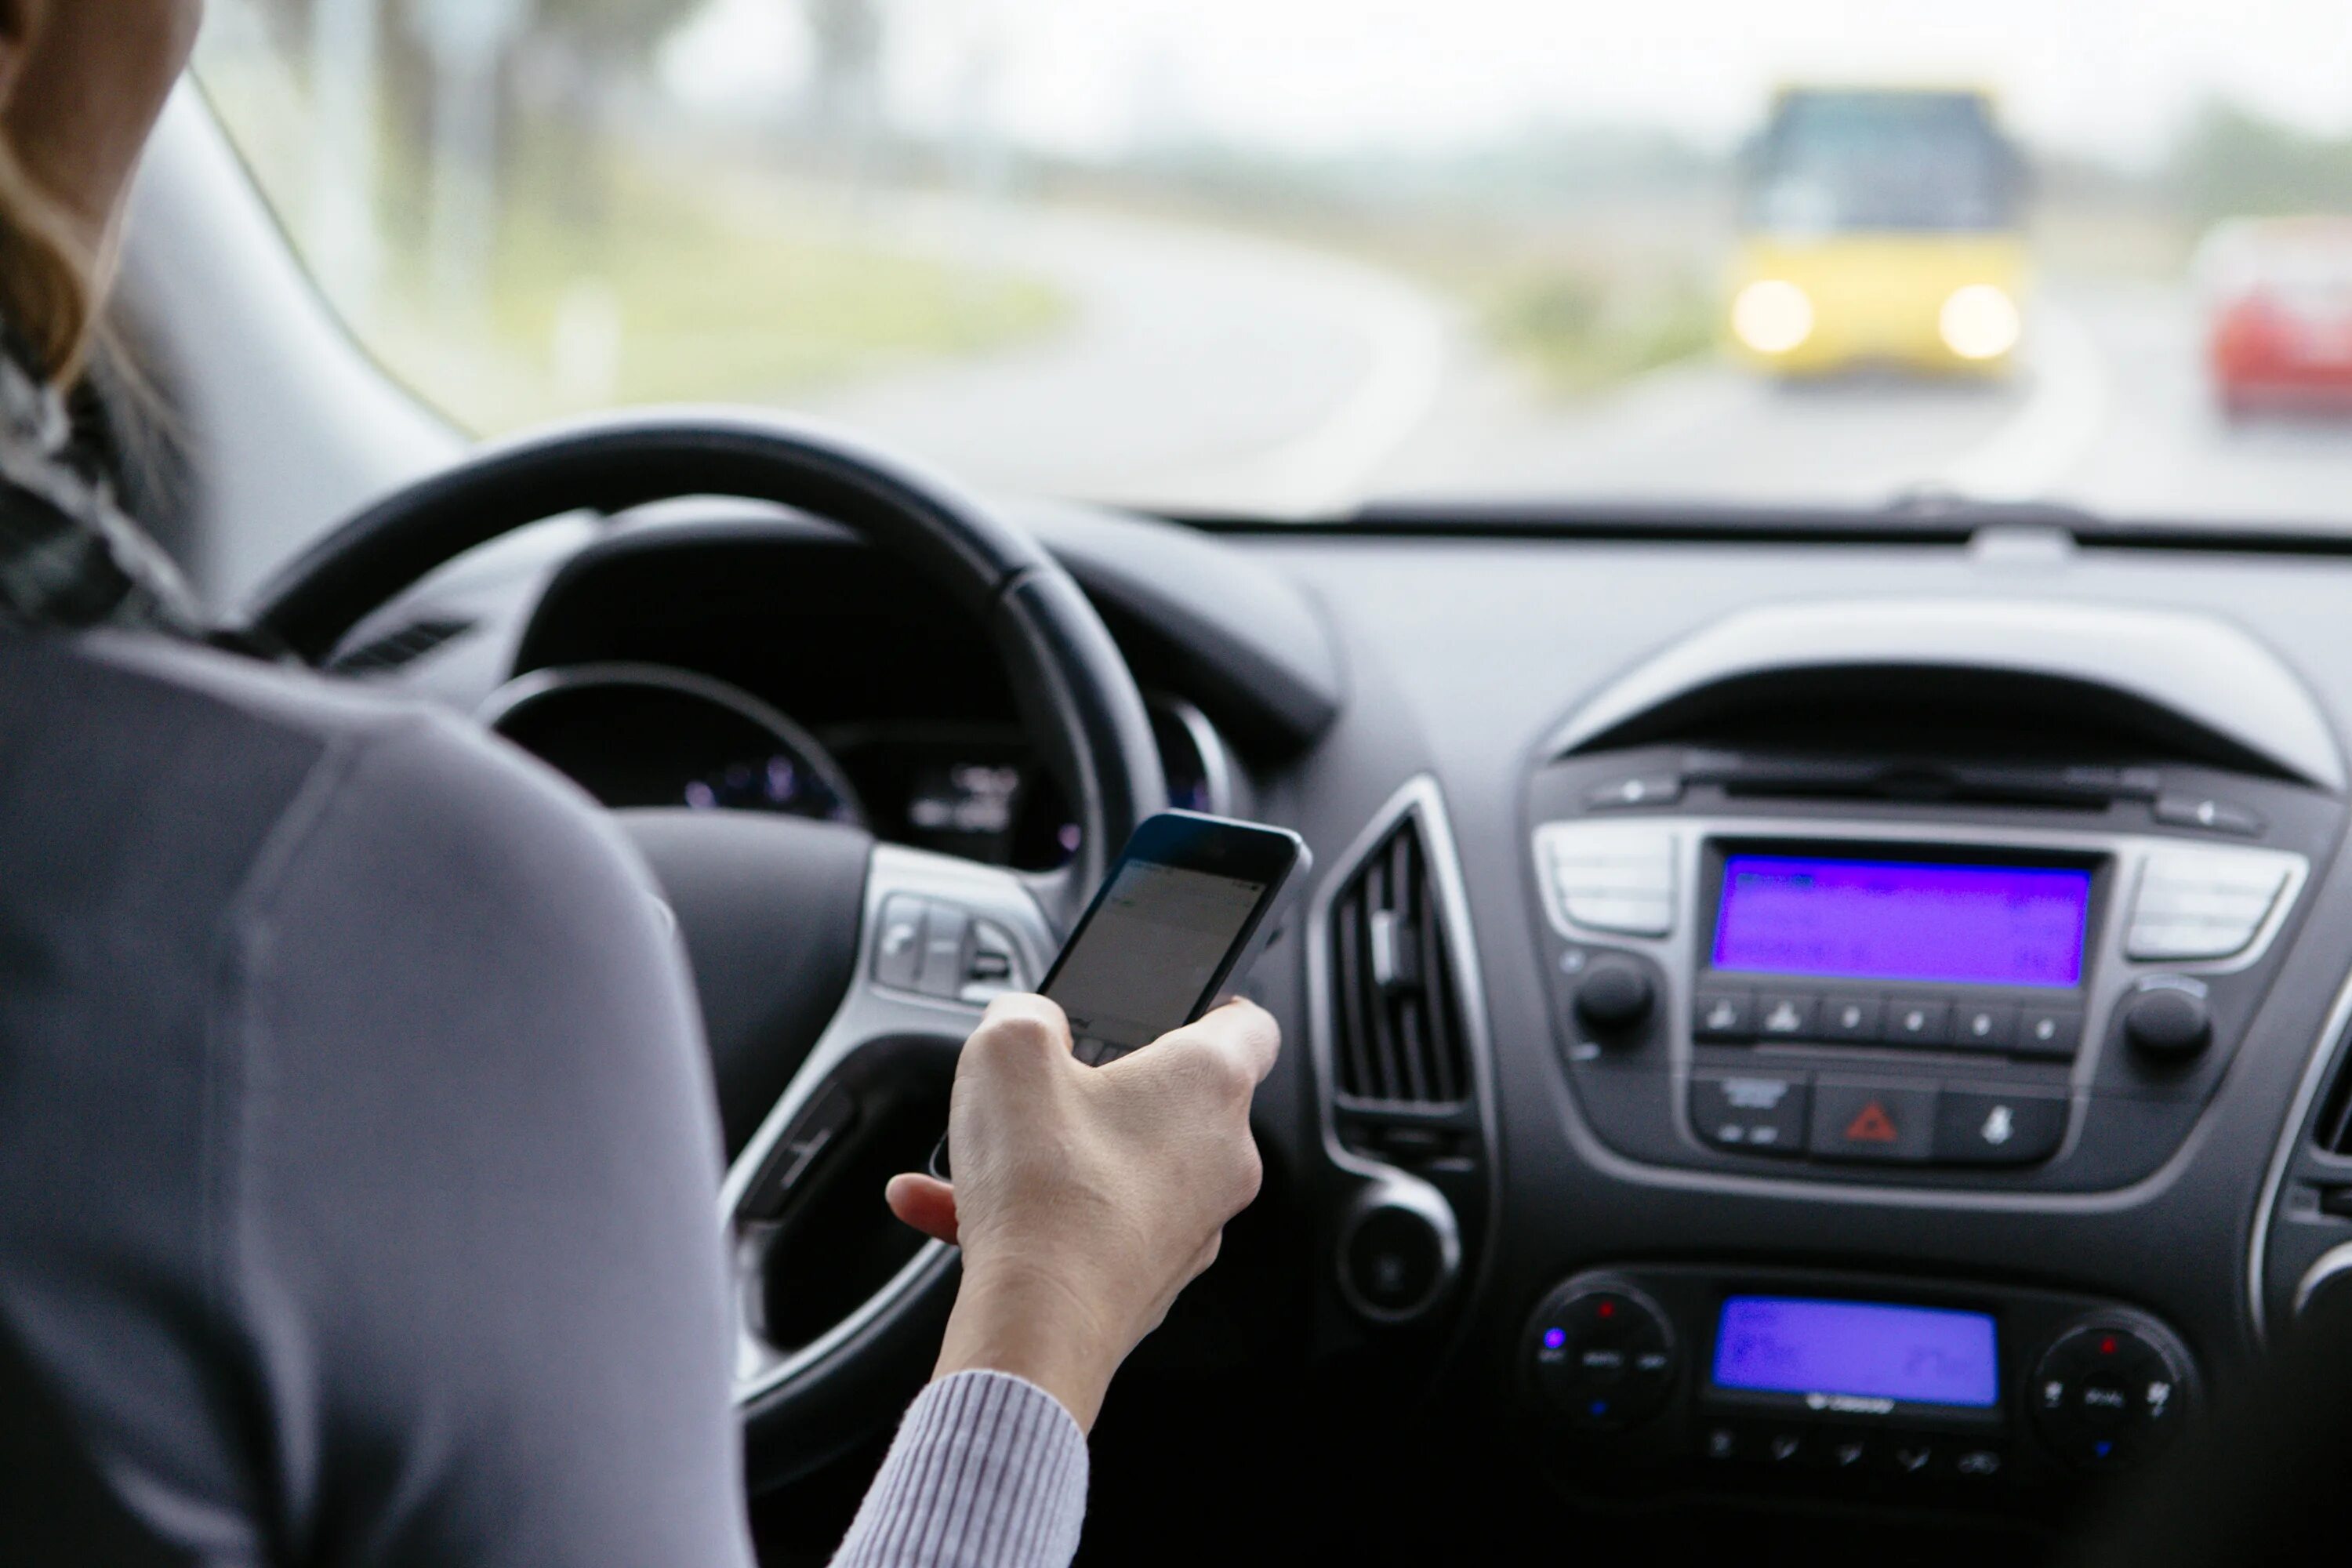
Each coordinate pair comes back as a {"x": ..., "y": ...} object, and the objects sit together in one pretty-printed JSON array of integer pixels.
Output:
[{"x": 1750, "y": 1113}]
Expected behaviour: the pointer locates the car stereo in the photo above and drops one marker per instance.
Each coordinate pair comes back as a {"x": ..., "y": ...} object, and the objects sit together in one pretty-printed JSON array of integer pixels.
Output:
[
  {"x": 1852, "y": 1375},
  {"x": 1929, "y": 994}
]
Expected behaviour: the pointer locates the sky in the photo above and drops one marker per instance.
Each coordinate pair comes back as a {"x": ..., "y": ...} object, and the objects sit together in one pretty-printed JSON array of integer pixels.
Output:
[{"x": 2112, "y": 79}]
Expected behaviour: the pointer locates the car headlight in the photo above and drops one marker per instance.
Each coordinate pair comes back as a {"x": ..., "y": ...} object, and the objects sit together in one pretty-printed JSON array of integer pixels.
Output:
[
  {"x": 1773, "y": 316},
  {"x": 1979, "y": 321}
]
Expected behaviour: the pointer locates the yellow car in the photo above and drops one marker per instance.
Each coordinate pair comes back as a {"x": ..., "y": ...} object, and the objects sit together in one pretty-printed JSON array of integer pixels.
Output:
[{"x": 1879, "y": 228}]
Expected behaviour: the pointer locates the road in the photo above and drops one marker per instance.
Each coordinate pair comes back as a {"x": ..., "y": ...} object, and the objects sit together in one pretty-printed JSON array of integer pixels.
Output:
[
  {"x": 1207, "y": 370},
  {"x": 1202, "y": 368}
]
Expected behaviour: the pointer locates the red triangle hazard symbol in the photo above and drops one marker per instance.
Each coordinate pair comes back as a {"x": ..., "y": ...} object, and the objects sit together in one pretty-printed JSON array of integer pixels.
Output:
[{"x": 1873, "y": 1125}]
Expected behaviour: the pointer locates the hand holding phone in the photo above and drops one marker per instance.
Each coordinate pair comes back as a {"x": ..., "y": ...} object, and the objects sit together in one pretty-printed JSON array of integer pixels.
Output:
[{"x": 1189, "y": 903}]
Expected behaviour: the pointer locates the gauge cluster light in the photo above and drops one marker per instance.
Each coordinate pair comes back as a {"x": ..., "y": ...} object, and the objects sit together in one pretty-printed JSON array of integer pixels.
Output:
[
  {"x": 1773, "y": 316},
  {"x": 1979, "y": 321}
]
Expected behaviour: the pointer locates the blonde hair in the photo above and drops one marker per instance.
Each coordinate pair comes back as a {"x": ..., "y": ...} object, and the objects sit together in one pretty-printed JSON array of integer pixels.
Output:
[{"x": 47, "y": 283}]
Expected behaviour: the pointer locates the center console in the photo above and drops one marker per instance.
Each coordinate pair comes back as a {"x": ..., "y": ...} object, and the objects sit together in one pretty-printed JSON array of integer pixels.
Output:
[
  {"x": 1852, "y": 1379},
  {"x": 2036, "y": 992},
  {"x": 1904, "y": 956}
]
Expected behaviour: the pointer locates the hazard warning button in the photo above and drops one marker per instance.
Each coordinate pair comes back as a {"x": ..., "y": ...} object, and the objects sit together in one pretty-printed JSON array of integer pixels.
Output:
[{"x": 1864, "y": 1119}]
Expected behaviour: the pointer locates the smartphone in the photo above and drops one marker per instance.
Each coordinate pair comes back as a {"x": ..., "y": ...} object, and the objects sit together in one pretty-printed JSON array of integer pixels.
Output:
[{"x": 1188, "y": 906}]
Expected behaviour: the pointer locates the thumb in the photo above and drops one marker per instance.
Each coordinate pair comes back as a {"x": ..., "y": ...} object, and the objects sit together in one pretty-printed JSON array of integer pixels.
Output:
[{"x": 925, "y": 1203}]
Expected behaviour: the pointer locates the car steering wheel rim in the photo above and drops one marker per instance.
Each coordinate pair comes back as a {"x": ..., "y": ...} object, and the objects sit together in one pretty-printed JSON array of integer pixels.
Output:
[{"x": 1076, "y": 697}]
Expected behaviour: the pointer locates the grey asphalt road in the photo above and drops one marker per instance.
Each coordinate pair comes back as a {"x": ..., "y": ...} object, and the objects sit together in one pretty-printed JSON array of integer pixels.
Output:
[
  {"x": 1201, "y": 368},
  {"x": 1204, "y": 369}
]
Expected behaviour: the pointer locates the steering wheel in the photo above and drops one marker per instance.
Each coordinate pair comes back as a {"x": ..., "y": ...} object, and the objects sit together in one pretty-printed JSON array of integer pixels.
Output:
[{"x": 810, "y": 942}]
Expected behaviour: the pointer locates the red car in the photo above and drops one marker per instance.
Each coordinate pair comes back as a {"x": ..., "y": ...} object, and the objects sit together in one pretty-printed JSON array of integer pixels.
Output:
[{"x": 2280, "y": 324}]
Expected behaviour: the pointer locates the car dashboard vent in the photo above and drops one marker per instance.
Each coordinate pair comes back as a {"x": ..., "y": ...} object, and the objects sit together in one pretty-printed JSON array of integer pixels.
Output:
[
  {"x": 2333, "y": 1133},
  {"x": 401, "y": 647},
  {"x": 1398, "y": 1028}
]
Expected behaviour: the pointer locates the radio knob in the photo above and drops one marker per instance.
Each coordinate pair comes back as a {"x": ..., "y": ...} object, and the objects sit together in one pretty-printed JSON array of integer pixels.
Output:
[
  {"x": 2167, "y": 1025},
  {"x": 1604, "y": 1354},
  {"x": 2107, "y": 1395},
  {"x": 1614, "y": 996}
]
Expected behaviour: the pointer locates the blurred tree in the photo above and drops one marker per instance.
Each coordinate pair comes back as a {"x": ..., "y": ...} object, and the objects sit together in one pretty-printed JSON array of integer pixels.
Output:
[
  {"x": 2235, "y": 161},
  {"x": 622, "y": 33},
  {"x": 571, "y": 78},
  {"x": 847, "y": 36}
]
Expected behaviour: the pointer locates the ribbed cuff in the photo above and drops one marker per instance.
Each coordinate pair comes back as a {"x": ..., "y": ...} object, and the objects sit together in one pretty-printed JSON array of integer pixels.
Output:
[{"x": 989, "y": 1472}]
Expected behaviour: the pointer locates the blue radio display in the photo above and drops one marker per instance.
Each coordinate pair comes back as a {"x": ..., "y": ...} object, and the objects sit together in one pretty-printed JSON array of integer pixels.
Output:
[
  {"x": 1903, "y": 921},
  {"x": 1861, "y": 1349}
]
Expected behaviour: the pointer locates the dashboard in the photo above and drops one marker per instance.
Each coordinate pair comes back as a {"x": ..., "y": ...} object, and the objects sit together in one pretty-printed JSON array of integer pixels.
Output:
[
  {"x": 1775, "y": 1017},
  {"x": 926, "y": 751}
]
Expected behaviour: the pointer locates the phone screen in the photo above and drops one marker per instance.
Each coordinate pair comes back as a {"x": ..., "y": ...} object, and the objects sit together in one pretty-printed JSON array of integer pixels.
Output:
[{"x": 1150, "y": 951}]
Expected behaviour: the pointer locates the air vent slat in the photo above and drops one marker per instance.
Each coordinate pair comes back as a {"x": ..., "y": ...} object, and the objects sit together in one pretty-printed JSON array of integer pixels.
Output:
[
  {"x": 405, "y": 645},
  {"x": 1400, "y": 1033},
  {"x": 1445, "y": 1052},
  {"x": 2333, "y": 1133},
  {"x": 1355, "y": 1030}
]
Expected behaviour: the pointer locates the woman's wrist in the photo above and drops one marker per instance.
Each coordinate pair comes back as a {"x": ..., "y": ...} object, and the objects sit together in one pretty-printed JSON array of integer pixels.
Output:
[{"x": 1037, "y": 1328}]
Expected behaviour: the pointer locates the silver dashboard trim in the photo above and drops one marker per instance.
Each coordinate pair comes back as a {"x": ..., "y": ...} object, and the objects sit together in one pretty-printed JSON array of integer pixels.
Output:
[
  {"x": 2315, "y": 1075},
  {"x": 1692, "y": 832},
  {"x": 2111, "y": 972},
  {"x": 1219, "y": 772},
  {"x": 2337, "y": 1259},
  {"x": 1413, "y": 1195},
  {"x": 1420, "y": 801}
]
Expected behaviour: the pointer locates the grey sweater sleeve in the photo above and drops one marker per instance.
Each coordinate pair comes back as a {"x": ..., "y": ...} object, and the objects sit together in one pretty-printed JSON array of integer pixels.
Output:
[
  {"x": 518, "y": 1352},
  {"x": 466, "y": 1177},
  {"x": 989, "y": 1472}
]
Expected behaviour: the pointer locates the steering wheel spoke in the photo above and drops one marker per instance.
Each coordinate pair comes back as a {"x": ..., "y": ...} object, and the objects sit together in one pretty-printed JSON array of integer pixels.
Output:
[{"x": 938, "y": 938}]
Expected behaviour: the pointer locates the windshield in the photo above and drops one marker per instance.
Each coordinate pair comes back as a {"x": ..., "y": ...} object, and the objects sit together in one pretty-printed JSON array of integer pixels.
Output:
[
  {"x": 1285, "y": 257},
  {"x": 1897, "y": 162}
]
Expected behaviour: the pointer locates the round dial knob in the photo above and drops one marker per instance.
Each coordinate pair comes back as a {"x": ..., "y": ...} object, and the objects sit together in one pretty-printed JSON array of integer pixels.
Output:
[
  {"x": 1399, "y": 1251},
  {"x": 2167, "y": 1025},
  {"x": 2107, "y": 1396},
  {"x": 1614, "y": 994},
  {"x": 1604, "y": 1354}
]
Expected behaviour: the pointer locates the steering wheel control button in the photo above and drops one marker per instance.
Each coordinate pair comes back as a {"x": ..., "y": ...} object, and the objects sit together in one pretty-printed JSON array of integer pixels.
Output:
[
  {"x": 1917, "y": 1021},
  {"x": 945, "y": 928},
  {"x": 991, "y": 964},
  {"x": 2203, "y": 903},
  {"x": 2048, "y": 1032},
  {"x": 1984, "y": 1028},
  {"x": 1868, "y": 1119},
  {"x": 2168, "y": 1023},
  {"x": 898, "y": 946},
  {"x": 1605, "y": 1359},
  {"x": 1723, "y": 1014},
  {"x": 1781, "y": 1016},
  {"x": 1614, "y": 996},
  {"x": 1998, "y": 1127},
  {"x": 1618, "y": 878},
  {"x": 1852, "y": 1018},
  {"x": 1750, "y": 1113},
  {"x": 2105, "y": 1397}
]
